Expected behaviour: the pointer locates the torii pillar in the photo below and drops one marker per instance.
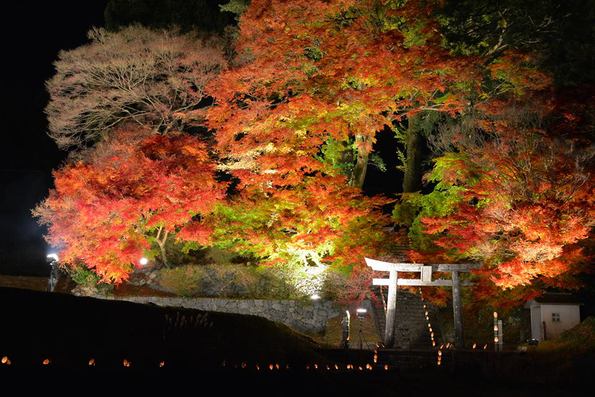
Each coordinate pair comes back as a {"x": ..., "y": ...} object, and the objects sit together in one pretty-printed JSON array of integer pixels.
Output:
[{"x": 425, "y": 280}]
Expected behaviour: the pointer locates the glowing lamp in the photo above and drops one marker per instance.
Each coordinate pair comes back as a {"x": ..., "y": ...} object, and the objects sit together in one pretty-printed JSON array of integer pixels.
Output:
[
  {"x": 361, "y": 312},
  {"x": 315, "y": 297},
  {"x": 143, "y": 261},
  {"x": 53, "y": 257}
]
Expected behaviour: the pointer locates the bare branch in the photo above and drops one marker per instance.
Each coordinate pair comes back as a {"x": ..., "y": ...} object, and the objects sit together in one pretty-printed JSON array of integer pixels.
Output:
[{"x": 136, "y": 74}]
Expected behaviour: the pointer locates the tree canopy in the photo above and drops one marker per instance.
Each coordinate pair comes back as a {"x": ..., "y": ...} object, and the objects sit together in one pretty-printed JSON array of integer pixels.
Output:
[
  {"x": 130, "y": 191},
  {"x": 288, "y": 119},
  {"x": 152, "y": 78}
]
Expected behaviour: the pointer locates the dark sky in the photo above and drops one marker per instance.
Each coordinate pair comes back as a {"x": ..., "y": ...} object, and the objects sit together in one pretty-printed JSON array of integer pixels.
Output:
[{"x": 33, "y": 32}]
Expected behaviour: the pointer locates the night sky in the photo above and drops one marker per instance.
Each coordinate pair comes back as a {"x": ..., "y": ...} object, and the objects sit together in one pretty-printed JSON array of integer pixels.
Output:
[{"x": 33, "y": 33}]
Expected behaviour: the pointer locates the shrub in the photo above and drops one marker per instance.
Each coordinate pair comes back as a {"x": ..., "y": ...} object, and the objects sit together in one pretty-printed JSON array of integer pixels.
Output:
[
  {"x": 83, "y": 276},
  {"x": 182, "y": 280},
  {"x": 232, "y": 281}
]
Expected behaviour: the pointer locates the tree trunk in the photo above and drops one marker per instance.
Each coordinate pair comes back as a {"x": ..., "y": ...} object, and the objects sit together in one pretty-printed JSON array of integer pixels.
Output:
[
  {"x": 161, "y": 243},
  {"x": 412, "y": 178},
  {"x": 361, "y": 164}
]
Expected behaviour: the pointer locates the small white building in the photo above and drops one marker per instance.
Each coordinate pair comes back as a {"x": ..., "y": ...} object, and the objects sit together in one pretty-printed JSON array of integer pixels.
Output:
[{"x": 552, "y": 314}]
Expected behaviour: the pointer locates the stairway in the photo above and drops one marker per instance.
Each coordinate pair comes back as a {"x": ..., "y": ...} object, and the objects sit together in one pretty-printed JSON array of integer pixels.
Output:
[{"x": 411, "y": 327}]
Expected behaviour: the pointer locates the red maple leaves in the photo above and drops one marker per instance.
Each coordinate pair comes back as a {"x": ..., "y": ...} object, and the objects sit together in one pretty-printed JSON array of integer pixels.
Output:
[{"x": 130, "y": 190}]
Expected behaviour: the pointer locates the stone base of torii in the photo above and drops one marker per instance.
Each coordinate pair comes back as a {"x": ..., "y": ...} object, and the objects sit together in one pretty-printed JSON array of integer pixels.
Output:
[{"x": 425, "y": 280}]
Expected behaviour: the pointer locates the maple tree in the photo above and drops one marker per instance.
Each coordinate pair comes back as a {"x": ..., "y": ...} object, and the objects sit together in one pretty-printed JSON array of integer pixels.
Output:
[
  {"x": 513, "y": 188},
  {"x": 511, "y": 183},
  {"x": 332, "y": 71},
  {"x": 297, "y": 113},
  {"x": 153, "y": 78},
  {"x": 130, "y": 193},
  {"x": 296, "y": 128}
]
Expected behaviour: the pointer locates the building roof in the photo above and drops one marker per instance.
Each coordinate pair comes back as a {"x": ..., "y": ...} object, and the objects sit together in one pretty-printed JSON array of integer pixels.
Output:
[{"x": 560, "y": 298}]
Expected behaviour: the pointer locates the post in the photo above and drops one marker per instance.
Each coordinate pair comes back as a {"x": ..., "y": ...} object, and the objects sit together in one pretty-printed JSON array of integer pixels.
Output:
[
  {"x": 496, "y": 333},
  {"x": 346, "y": 328},
  {"x": 456, "y": 308},
  {"x": 391, "y": 307},
  {"x": 500, "y": 336},
  {"x": 54, "y": 276}
]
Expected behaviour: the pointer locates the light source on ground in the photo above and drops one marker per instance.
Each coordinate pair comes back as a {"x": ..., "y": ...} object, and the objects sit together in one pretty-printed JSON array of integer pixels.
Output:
[
  {"x": 315, "y": 297},
  {"x": 143, "y": 261},
  {"x": 361, "y": 312}
]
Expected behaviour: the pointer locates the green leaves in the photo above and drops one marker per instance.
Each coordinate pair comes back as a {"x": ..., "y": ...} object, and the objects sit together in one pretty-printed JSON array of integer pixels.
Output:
[{"x": 313, "y": 53}]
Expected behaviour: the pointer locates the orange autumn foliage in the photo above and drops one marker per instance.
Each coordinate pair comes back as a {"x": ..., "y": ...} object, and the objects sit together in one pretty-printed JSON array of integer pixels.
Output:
[
  {"x": 105, "y": 208},
  {"x": 526, "y": 203}
]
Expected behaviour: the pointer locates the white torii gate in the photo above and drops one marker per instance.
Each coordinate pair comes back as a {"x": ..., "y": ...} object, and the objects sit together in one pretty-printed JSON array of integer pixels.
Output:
[{"x": 425, "y": 280}]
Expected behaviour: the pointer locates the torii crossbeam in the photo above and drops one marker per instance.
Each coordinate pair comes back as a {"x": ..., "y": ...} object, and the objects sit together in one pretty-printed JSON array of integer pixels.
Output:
[{"x": 425, "y": 280}]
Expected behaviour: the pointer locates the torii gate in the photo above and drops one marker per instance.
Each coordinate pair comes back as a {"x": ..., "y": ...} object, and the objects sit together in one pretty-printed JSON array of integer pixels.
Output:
[{"x": 425, "y": 280}]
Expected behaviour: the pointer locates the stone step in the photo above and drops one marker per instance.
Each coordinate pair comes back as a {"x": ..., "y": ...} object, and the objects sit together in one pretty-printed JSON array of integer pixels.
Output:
[{"x": 411, "y": 327}]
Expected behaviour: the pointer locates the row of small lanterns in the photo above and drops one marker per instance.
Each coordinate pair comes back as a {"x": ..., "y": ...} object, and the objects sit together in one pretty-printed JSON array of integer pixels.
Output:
[
  {"x": 91, "y": 363},
  {"x": 448, "y": 345},
  {"x": 5, "y": 360},
  {"x": 431, "y": 331}
]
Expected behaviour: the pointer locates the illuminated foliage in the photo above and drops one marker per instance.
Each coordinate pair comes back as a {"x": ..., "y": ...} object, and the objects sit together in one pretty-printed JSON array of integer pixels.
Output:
[
  {"x": 130, "y": 192},
  {"x": 294, "y": 120},
  {"x": 514, "y": 192},
  {"x": 312, "y": 72},
  {"x": 135, "y": 75},
  {"x": 316, "y": 222}
]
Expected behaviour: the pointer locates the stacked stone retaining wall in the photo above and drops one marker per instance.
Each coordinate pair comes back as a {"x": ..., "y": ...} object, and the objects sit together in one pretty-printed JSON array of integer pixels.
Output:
[{"x": 303, "y": 316}]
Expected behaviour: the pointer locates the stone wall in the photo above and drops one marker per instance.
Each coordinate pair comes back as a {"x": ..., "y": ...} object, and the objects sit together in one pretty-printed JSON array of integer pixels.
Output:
[{"x": 308, "y": 317}]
